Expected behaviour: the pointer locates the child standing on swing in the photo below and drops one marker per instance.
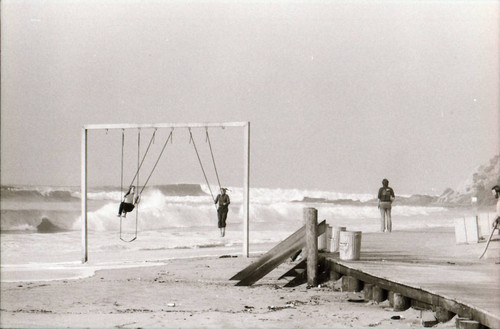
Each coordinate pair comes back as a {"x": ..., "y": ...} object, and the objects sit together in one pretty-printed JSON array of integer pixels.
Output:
[
  {"x": 223, "y": 200},
  {"x": 128, "y": 203}
]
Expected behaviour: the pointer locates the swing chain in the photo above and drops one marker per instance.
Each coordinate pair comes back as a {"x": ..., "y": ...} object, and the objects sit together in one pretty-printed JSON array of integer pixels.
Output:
[
  {"x": 157, "y": 160},
  {"x": 201, "y": 164},
  {"x": 213, "y": 158}
]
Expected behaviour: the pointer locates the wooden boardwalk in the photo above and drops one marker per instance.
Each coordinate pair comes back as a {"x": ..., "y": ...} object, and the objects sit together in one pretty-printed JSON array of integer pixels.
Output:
[{"x": 428, "y": 266}]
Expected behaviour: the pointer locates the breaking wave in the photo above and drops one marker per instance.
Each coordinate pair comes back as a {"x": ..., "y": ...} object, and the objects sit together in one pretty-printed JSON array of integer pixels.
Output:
[{"x": 186, "y": 205}]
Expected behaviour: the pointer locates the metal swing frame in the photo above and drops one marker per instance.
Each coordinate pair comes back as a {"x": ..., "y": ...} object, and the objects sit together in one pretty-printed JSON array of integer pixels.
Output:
[{"x": 246, "y": 167}]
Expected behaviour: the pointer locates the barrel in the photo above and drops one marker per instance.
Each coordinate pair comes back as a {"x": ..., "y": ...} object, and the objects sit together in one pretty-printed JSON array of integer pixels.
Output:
[
  {"x": 324, "y": 239},
  {"x": 349, "y": 245},
  {"x": 334, "y": 241}
]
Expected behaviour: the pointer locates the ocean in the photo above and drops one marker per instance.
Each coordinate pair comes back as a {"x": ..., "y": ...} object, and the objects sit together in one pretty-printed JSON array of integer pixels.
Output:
[{"x": 41, "y": 235}]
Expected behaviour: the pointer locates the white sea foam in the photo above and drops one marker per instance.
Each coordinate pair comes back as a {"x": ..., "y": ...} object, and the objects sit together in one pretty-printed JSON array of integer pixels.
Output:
[
  {"x": 185, "y": 206},
  {"x": 277, "y": 195}
]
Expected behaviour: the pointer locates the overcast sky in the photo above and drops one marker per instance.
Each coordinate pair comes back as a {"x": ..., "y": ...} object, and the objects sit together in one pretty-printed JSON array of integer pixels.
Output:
[{"x": 340, "y": 94}]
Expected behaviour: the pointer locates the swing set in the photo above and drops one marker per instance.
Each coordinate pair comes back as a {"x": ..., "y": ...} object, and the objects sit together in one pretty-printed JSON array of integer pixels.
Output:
[{"x": 135, "y": 182}]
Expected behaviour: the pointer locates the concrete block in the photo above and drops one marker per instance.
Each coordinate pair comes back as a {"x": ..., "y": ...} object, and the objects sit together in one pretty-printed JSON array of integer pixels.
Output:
[
  {"x": 471, "y": 230},
  {"x": 390, "y": 298},
  {"x": 429, "y": 320},
  {"x": 460, "y": 233},
  {"x": 443, "y": 315},
  {"x": 368, "y": 291},
  {"x": 334, "y": 276},
  {"x": 400, "y": 302},
  {"x": 466, "y": 230},
  {"x": 458, "y": 319},
  {"x": 483, "y": 226},
  {"x": 379, "y": 294},
  {"x": 350, "y": 283}
]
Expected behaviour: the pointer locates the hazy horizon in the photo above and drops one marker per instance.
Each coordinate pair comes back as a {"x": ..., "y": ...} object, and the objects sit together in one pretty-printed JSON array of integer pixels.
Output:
[{"x": 339, "y": 94}]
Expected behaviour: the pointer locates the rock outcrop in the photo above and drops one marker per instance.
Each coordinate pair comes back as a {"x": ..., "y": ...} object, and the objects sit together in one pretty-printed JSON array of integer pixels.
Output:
[{"x": 478, "y": 185}]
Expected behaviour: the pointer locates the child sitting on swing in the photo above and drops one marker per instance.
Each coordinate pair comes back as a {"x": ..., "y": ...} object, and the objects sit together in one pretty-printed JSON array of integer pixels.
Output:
[{"x": 128, "y": 203}]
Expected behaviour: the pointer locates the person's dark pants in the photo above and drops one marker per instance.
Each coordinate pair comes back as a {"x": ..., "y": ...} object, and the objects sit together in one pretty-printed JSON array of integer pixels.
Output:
[
  {"x": 222, "y": 215},
  {"x": 125, "y": 207}
]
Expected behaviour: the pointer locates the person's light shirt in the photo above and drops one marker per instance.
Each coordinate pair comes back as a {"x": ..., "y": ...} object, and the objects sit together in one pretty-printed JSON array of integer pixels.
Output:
[{"x": 129, "y": 198}]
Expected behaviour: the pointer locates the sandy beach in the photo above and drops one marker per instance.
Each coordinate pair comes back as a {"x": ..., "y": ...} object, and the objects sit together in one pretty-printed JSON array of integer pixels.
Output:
[
  {"x": 197, "y": 293},
  {"x": 188, "y": 294}
]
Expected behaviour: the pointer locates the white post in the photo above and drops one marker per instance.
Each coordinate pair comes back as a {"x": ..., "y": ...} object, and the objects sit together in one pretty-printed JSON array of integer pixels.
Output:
[
  {"x": 246, "y": 191},
  {"x": 84, "y": 195}
]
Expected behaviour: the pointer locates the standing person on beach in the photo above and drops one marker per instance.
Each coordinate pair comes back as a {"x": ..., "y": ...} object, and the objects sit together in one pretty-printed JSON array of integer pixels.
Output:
[
  {"x": 224, "y": 201},
  {"x": 385, "y": 198},
  {"x": 495, "y": 190}
]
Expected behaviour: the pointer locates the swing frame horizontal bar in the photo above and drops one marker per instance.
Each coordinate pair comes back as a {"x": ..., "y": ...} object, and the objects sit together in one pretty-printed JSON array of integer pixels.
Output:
[{"x": 165, "y": 125}]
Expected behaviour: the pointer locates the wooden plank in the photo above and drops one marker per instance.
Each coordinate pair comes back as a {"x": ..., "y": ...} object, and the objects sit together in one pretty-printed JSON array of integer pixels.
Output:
[
  {"x": 278, "y": 256},
  {"x": 297, "y": 281},
  {"x": 285, "y": 244},
  {"x": 301, "y": 277},
  {"x": 297, "y": 269},
  {"x": 264, "y": 258}
]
